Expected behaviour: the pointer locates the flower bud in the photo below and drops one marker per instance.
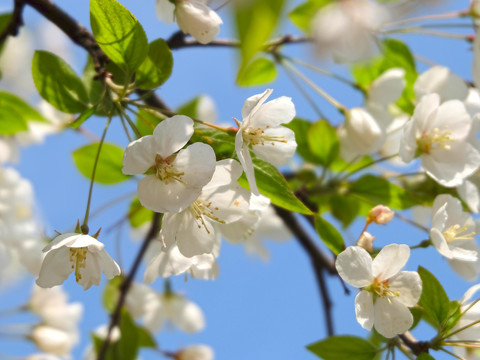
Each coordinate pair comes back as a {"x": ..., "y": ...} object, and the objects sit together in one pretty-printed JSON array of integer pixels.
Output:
[
  {"x": 197, "y": 19},
  {"x": 366, "y": 241},
  {"x": 53, "y": 341},
  {"x": 195, "y": 352},
  {"x": 380, "y": 214}
]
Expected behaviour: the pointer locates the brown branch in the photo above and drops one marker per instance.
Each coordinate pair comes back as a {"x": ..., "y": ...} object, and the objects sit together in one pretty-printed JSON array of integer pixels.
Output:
[
  {"x": 413, "y": 344},
  {"x": 126, "y": 284},
  {"x": 320, "y": 261},
  {"x": 16, "y": 21}
]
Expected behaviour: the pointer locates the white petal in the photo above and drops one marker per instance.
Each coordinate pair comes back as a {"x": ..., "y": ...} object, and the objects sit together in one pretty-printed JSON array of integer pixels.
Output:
[
  {"x": 139, "y": 156},
  {"x": 466, "y": 269},
  {"x": 155, "y": 315},
  {"x": 354, "y": 265},
  {"x": 253, "y": 103},
  {"x": 440, "y": 243},
  {"x": 424, "y": 111},
  {"x": 409, "y": 285},
  {"x": 197, "y": 162},
  {"x": 469, "y": 294},
  {"x": 469, "y": 193},
  {"x": 228, "y": 203},
  {"x": 109, "y": 267},
  {"x": 166, "y": 264},
  {"x": 198, "y": 20},
  {"x": 243, "y": 154},
  {"x": 273, "y": 113},
  {"x": 56, "y": 268},
  {"x": 164, "y": 10},
  {"x": 186, "y": 315},
  {"x": 391, "y": 318},
  {"x": 390, "y": 260},
  {"x": 193, "y": 236},
  {"x": 440, "y": 80},
  {"x": 91, "y": 273},
  {"x": 388, "y": 87},
  {"x": 172, "y": 134},
  {"x": 364, "y": 309},
  {"x": 227, "y": 171},
  {"x": 277, "y": 153}
]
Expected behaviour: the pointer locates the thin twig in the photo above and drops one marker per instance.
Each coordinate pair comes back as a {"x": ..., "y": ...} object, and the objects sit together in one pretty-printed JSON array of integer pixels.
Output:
[
  {"x": 16, "y": 21},
  {"x": 125, "y": 286}
]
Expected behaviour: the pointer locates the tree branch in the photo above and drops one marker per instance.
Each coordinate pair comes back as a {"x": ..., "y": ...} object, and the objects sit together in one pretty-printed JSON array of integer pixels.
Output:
[
  {"x": 16, "y": 21},
  {"x": 413, "y": 344},
  {"x": 126, "y": 284}
]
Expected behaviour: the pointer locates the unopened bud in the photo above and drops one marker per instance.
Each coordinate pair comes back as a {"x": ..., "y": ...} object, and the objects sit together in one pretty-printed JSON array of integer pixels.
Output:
[
  {"x": 366, "y": 241},
  {"x": 380, "y": 214}
]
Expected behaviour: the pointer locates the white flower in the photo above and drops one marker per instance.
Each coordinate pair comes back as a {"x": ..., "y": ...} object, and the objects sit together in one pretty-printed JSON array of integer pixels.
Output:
[
  {"x": 387, "y": 88},
  {"x": 261, "y": 127},
  {"x": 222, "y": 200},
  {"x": 195, "y": 352},
  {"x": 193, "y": 17},
  {"x": 469, "y": 192},
  {"x": 76, "y": 252},
  {"x": 453, "y": 235},
  {"x": 387, "y": 292},
  {"x": 438, "y": 134},
  {"x": 174, "y": 180},
  {"x": 43, "y": 357},
  {"x": 360, "y": 135},
  {"x": 346, "y": 29},
  {"x": 440, "y": 80},
  {"x": 53, "y": 340}
]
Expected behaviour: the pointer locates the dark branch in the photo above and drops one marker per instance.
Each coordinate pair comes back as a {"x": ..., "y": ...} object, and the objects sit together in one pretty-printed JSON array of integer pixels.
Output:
[
  {"x": 126, "y": 284},
  {"x": 16, "y": 21},
  {"x": 413, "y": 344}
]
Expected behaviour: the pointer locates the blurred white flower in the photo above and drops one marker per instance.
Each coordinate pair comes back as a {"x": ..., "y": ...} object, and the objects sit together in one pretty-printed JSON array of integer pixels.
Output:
[
  {"x": 195, "y": 352},
  {"x": 387, "y": 88},
  {"x": 53, "y": 340},
  {"x": 76, "y": 252},
  {"x": 174, "y": 177},
  {"x": 440, "y": 80},
  {"x": 387, "y": 292},
  {"x": 437, "y": 133},
  {"x": 262, "y": 128}
]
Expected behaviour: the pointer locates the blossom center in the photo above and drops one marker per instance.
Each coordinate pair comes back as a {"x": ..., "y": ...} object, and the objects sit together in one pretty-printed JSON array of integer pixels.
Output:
[
  {"x": 257, "y": 136},
  {"x": 78, "y": 257},
  {"x": 457, "y": 232},
  {"x": 382, "y": 289},
  {"x": 437, "y": 140},
  {"x": 166, "y": 171},
  {"x": 201, "y": 210}
]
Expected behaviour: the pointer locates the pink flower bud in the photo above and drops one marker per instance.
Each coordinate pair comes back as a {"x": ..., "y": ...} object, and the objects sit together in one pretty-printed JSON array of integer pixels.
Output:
[
  {"x": 366, "y": 241},
  {"x": 380, "y": 214}
]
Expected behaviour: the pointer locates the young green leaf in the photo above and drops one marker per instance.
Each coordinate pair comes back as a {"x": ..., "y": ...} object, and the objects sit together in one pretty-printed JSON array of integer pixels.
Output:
[
  {"x": 258, "y": 72},
  {"x": 147, "y": 120},
  {"x": 84, "y": 116},
  {"x": 15, "y": 114},
  {"x": 343, "y": 347},
  {"x": 303, "y": 14},
  {"x": 109, "y": 167},
  {"x": 138, "y": 215},
  {"x": 434, "y": 299},
  {"x": 323, "y": 141},
  {"x": 119, "y": 34},
  {"x": 329, "y": 235},
  {"x": 300, "y": 127},
  {"x": 58, "y": 84},
  {"x": 272, "y": 184},
  {"x": 344, "y": 208},
  {"x": 111, "y": 293},
  {"x": 157, "y": 66}
]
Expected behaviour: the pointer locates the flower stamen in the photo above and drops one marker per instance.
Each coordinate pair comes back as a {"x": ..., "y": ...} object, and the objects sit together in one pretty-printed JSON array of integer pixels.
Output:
[
  {"x": 258, "y": 137},
  {"x": 456, "y": 232},
  {"x": 437, "y": 139},
  {"x": 78, "y": 257},
  {"x": 166, "y": 171},
  {"x": 200, "y": 208}
]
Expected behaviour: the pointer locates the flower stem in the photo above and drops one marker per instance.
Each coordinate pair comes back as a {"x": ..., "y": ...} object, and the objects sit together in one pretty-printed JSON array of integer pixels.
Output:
[
  {"x": 84, "y": 226},
  {"x": 449, "y": 15},
  {"x": 464, "y": 328},
  {"x": 423, "y": 244},
  {"x": 451, "y": 353},
  {"x": 422, "y": 31}
]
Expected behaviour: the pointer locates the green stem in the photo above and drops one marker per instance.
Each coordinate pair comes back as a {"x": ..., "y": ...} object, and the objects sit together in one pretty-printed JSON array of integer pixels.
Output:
[
  {"x": 122, "y": 120},
  {"x": 463, "y": 328},
  {"x": 422, "y": 31},
  {"x": 84, "y": 226},
  {"x": 423, "y": 244},
  {"x": 451, "y": 353}
]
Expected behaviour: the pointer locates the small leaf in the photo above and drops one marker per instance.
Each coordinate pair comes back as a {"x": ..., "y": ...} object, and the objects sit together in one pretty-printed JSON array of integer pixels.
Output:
[
  {"x": 129, "y": 342},
  {"x": 300, "y": 127},
  {"x": 344, "y": 208},
  {"x": 377, "y": 190},
  {"x": 329, "y": 235},
  {"x": 323, "y": 141},
  {"x": 111, "y": 293},
  {"x": 272, "y": 184},
  {"x": 147, "y": 120},
  {"x": 157, "y": 67},
  {"x": 303, "y": 14},
  {"x": 109, "y": 167},
  {"x": 343, "y": 347},
  {"x": 119, "y": 34},
  {"x": 15, "y": 114},
  {"x": 190, "y": 108},
  {"x": 434, "y": 299},
  {"x": 138, "y": 215},
  {"x": 58, "y": 84},
  {"x": 223, "y": 143},
  {"x": 260, "y": 71}
]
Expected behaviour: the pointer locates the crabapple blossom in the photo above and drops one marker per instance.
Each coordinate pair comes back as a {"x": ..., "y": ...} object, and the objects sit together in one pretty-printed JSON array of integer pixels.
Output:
[
  {"x": 262, "y": 128},
  {"x": 453, "y": 235},
  {"x": 174, "y": 178},
  {"x": 440, "y": 80},
  {"x": 195, "y": 352},
  {"x": 346, "y": 29},
  {"x": 193, "y": 17},
  {"x": 387, "y": 292},
  {"x": 437, "y": 133},
  {"x": 380, "y": 214},
  {"x": 360, "y": 135},
  {"x": 222, "y": 200},
  {"x": 80, "y": 253},
  {"x": 387, "y": 88}
]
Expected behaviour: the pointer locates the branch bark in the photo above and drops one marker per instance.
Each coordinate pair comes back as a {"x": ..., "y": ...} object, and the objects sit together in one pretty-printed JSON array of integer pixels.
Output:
[{"x": 16, "y": 21}]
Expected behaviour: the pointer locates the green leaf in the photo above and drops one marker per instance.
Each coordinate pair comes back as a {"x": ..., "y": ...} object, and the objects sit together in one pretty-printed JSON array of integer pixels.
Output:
[
  {"x": 425, "y": 356},
  {"x": 58, "y": 84},
  {"x": 323, "y": 141},
  {"x": 147, "y": 120},
  {"x": 258, "y": 72},
  {"x": 271, "y": 183},
  {"x": 223, "y": 143},
  {"x": 111, "y": 293},
  {"x": 190, "y": 108},
  {"x": 434, "y": 299},
  {"x": 300, "y": 127},
  {"x": 138, "y": 215},
  {"x": 145, "y": 338},
  {"x": 376, "y": 190},
  {"x": 329, "y": 235},
  {"x": 129, "y": 343},
  {"x": 109, "y": 167},
  {"x": 343, "y": 347},
  {"x": 303, "y": 14},
  {"x": 255, "y": 21},
  {"x": 157, "y": 67},
  {"x": 15, "y": 114},
  {"x": 344, "y": 208},
  {"x": 4, "y": 21},
  {"x": 84, "y": 116},
  {"x": 119, "y": 34}
]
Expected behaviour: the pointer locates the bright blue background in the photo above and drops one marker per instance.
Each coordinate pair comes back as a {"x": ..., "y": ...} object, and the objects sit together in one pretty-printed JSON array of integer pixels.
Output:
[{"x": 254, "y": 310}]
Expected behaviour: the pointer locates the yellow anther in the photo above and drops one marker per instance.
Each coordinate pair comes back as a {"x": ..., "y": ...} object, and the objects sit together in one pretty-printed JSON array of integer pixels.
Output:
[
  {"x": 78, "y": 257},
  {"x": 456, "y": 232},
  {"x": 166, "y": 171},
  {"x": 258, "y": 137},
  {"x": 438, "y": 139}
]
